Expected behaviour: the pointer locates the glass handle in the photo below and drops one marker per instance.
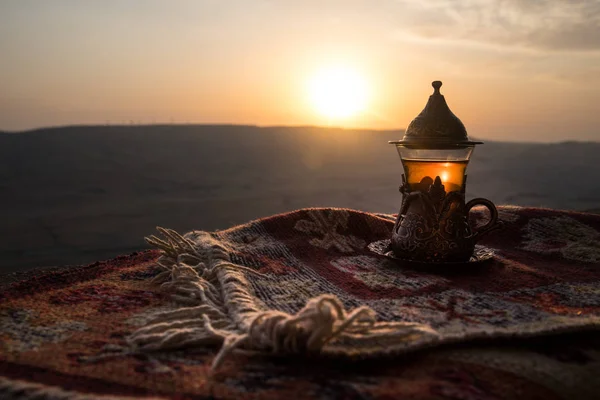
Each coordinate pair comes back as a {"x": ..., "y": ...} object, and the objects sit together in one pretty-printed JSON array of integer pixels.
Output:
[{"x": 492, "y": 224}]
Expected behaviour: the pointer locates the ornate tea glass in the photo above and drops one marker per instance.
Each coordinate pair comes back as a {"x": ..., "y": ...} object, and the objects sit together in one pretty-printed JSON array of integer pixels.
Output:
[{"x": 433, "y": 222}]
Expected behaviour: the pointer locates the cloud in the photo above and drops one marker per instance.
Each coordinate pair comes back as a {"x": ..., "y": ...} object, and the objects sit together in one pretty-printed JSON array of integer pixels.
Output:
[{"x": 549, "y": 25}]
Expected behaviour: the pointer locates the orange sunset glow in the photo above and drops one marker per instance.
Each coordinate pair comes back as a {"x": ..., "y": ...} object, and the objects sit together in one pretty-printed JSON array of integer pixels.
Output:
[
  {"x": 351, "y": 63},
  {"x": 339, "y": 92}
]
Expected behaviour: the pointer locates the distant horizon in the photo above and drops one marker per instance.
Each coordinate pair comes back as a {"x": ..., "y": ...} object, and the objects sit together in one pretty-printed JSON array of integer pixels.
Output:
[{"x": 217, "y": 124}]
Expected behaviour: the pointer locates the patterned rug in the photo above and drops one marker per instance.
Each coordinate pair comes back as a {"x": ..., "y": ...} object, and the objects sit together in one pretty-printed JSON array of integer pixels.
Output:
[{"x": 297, "y": 306}]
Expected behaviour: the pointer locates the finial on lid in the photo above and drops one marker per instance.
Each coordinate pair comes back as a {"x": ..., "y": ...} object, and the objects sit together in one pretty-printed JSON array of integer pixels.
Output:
[{"x": 436, "y": 86}]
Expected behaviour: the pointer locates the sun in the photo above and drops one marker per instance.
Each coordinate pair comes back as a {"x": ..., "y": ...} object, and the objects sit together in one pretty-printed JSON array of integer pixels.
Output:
[{"x": 338, "y": 92}]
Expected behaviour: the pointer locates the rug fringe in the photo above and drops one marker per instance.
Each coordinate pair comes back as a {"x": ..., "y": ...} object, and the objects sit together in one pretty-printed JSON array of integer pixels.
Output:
[{"x": 218, "y": 307}]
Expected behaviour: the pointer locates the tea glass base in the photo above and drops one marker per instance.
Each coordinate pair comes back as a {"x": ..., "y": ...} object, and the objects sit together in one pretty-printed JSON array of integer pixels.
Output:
[{"x": 480, "y": 255}]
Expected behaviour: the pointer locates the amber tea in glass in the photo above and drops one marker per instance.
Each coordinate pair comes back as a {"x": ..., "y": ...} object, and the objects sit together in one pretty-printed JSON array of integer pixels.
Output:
[
  {"x": 422, "y": 166},
  {"x": 452, "y": 174}
]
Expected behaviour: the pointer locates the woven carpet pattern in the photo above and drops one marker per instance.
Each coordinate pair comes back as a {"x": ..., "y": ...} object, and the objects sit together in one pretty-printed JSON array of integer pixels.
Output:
[{"x": 544, "y": 279}]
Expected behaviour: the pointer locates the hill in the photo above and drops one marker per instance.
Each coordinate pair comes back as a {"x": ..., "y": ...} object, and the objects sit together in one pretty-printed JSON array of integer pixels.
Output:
[{"x": 78, "y": 194}]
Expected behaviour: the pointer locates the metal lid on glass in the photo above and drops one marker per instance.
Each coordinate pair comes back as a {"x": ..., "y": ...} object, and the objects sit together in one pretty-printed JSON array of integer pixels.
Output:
[{"x": 436, "y": 127}]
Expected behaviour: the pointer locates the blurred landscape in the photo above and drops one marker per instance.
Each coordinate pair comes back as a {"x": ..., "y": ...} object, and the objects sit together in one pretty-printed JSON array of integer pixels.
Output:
[{"x": 80, "y": 194}]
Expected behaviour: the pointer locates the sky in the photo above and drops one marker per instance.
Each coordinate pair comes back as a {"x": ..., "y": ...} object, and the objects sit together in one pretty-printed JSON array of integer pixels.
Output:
[{"x": 525, "y": 70}]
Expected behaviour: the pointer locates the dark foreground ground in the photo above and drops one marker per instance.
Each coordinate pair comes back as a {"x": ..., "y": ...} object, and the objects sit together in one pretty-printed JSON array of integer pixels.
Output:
[{"x": 80, "y": 194}]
